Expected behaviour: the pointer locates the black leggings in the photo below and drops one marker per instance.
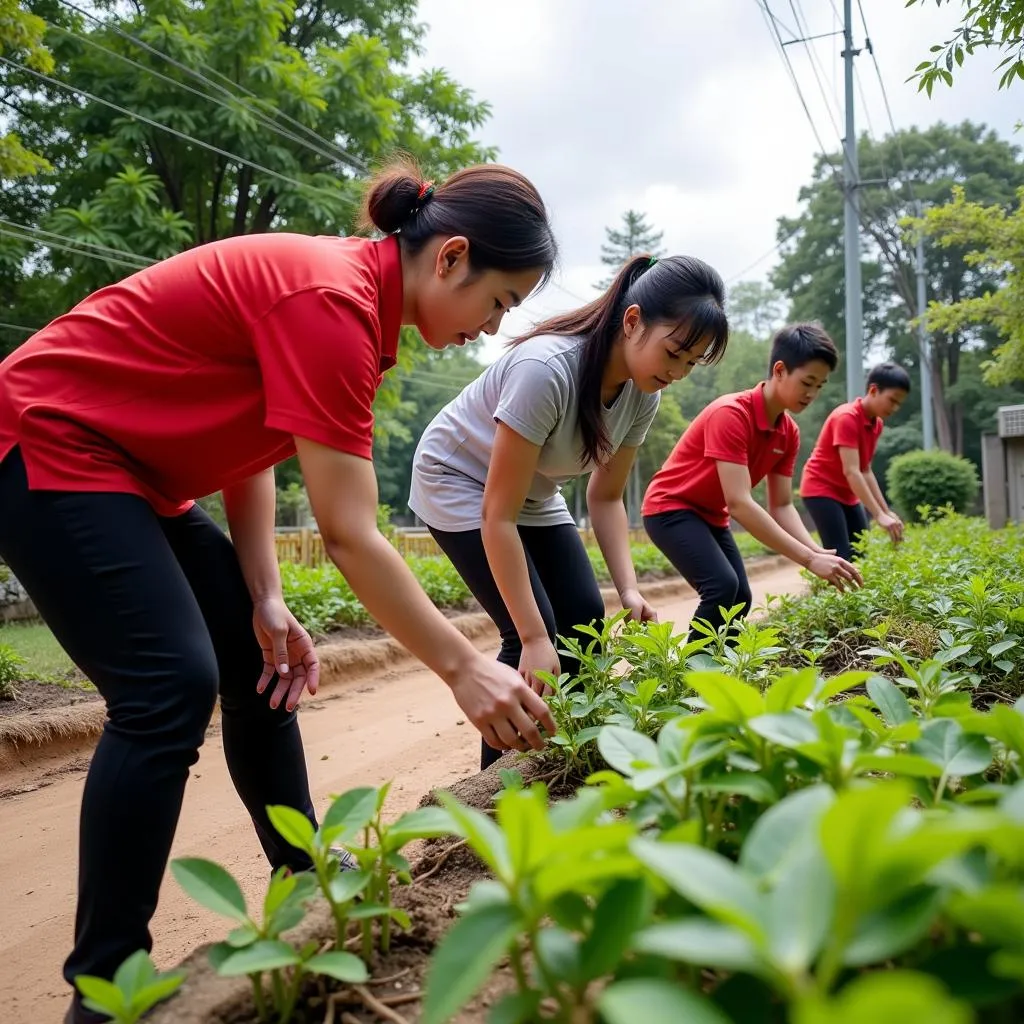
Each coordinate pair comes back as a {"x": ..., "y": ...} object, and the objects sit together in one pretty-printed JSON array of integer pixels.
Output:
[
  {"x": 156, "y": 613},
  {"x": 838, "y": 525},
  {"x": 563, "y": 582},
  {"x": 707, "y": 558}
]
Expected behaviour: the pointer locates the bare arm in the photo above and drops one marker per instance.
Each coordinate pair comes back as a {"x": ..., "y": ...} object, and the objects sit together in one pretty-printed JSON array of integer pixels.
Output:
[
  {"x": 865, "y": 486},
  {"x": 783, "y": 511},
  {"x": 605, "y": 488},
  {"x": 343, "y": 492},
  {"x": 735, "y": 479}
]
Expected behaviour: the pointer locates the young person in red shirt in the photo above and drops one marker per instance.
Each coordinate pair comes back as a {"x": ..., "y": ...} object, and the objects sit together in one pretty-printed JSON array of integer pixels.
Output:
[
  {"x": 730, "y": 446},
  {"x": 838, "y": 487},
  {"x": 196, "y": 375}
]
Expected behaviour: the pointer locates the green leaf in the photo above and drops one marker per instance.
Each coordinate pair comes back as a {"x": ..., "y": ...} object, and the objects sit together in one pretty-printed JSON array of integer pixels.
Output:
[
  {"x": 619, "y": 912},
  {"x": 800, "y": 910},
  {"x": 944, "y": 742},
  {"x": 894, "y": 929},
  {"x": 523, "y": 818},
  {"x": 559, "y": 951},
  {"x": 782, "y": 829},
  {"x": 464, "y": 958},
  {"x": 293, "y": 826},
  {"x": 733, "y": 700},
  {"x": 790, "y": 690},
  {"x": 749, "y": 784},
  {"x": 888, "y": 997},
  {"x": 349, "y": 814},
  {"x": 999, "y": 648},
  {"x": 890, "y": 701},
  {"x": 627, "y": 751},
  {"x": 102, "y": 995},
  {"x": 209, "y": 884},
  {"x": 156, "y": 991},
  {"x": 515, "y": 1008},
  {"x": 708, "y": 880},
  {"x": 347, "y": 885},
  {"x": 702, "y": 942},
  {"x": 134, "y": 974},
  {"x": 339, "y": 965},
  {"x": 422, "y": 823},
  {"x": 482, "y": 834},
  {"x": 910, "y": 765},
  {"x": 268, "y": 955},
  {"x": 790, "y": 729},
  {"x": 854, "y": 828},
  {"x": 243, "y": 935},
  {"x": 655, "y": 1001}
]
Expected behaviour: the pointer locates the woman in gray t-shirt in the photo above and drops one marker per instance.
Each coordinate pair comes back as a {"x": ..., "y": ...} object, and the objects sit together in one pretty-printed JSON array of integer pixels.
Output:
[{"x": 574, "y": 396}]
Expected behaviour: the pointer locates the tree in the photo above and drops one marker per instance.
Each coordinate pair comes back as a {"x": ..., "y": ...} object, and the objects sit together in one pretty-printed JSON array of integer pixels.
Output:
[
  {"x": 267, "y": 119},
  {"x": 994, "y": 241},
  {"x": 21, "y": 38},
  {"x": 756, "y": 307},
  {"x": 986, "y": 24},
  {"x": 810, "y": 271},
  {"x": 636, "y": 236}
]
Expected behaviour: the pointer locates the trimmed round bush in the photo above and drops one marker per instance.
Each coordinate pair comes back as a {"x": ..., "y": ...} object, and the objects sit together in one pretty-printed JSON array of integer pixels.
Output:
[{"x": 934, "y": 478}]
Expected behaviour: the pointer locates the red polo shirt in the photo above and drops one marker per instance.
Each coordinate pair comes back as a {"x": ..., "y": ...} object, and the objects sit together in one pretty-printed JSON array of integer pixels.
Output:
[
  {"x": 196, "y": 373},
  {"x": 847, "y": 426},
  {"x": 733, "y": 428}
]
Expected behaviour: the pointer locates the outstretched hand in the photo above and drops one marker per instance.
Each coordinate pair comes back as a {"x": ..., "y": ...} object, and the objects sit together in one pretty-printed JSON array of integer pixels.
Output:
[{"x": 288, "y": 653}]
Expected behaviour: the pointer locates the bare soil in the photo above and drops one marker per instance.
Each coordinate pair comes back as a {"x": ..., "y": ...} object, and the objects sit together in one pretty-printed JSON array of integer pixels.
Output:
[{"x": 394, "y": 721}]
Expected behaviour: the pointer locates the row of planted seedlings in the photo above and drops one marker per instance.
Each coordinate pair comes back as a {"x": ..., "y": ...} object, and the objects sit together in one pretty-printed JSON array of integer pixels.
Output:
[{"x": 754, "y": 841}]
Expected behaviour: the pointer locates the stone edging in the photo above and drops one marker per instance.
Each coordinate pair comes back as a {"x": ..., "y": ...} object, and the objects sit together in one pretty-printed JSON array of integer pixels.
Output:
[{"x": 74, "y": 728}]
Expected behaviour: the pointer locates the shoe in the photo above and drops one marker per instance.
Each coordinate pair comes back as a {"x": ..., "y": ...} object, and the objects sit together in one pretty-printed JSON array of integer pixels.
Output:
[{"x": 346, "y": 861}]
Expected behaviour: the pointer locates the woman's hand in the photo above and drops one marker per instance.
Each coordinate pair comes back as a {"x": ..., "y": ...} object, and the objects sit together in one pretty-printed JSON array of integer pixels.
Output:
[
  {"x": 288, "y": 651},
  {"x": 633, "y": 601}
]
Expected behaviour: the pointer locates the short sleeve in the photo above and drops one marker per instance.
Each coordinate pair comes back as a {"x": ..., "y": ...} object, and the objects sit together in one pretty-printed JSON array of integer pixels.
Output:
[
  {"x": 787, "y": 464},
  {"x": 846, "y": 431},
  {"x": 319, "y": 354},
  {"x": 534, "y": 397},
  {"x": 725, "y": 435},
  {"x": 642, "y": 424}
]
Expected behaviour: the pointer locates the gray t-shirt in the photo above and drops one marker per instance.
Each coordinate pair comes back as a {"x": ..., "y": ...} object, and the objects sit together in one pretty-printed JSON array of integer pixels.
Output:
[{"x": 533, "y": 388}]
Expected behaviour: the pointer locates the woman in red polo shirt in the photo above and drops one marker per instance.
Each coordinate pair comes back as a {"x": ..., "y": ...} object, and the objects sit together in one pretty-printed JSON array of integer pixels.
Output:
[{"x": 196, "y": 375}]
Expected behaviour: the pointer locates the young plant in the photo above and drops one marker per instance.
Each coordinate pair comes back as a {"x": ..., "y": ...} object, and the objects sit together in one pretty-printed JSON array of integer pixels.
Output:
[{"x": 137, "y": 987}]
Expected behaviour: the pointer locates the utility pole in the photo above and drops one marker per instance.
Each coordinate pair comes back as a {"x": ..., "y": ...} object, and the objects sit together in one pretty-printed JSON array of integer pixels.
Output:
[
  {"x": 851, "y": 224},
  {"x": 924, "y": 347}
]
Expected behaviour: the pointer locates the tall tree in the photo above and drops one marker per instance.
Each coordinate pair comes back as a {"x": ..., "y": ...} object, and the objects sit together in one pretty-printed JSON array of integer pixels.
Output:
[
  {"x": 636, "y": 236},
  {"x": 21, "y": 39},
  {"x": 810, "y": 271},
  {"x": 756, "y": 307}
]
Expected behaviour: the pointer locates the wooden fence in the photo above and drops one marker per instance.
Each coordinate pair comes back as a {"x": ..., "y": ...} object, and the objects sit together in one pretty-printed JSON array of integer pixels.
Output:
[{"x": 306, "y": 547}]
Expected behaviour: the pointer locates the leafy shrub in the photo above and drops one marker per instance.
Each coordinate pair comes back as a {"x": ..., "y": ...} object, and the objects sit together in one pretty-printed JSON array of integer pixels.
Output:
[
  {"x": 10, "y": 671},
  {"x": 934, "y": 479}
]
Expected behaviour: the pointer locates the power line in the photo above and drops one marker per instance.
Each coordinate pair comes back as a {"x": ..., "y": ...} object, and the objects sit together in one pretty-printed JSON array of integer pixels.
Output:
[
  {"x": 18, "y": 327},
  {"x": 134, "y": 267},
  {"x": 258, "y": 115},
  {"x": 122, "y": 254},
  {"x": 342, "y": 154},
  {"x": 760, "y": 259},
  {"x": 233, "y": 157},
  {"x": 802, "y": 24}
]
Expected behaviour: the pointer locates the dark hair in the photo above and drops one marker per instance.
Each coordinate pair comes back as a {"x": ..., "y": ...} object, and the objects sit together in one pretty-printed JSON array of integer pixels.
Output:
[
  {"x": 495, "y": 207},
  {"x": 678, "y": 290},
  {"x": 889, "y": 375},
  {"x": 795, "y": 345}
]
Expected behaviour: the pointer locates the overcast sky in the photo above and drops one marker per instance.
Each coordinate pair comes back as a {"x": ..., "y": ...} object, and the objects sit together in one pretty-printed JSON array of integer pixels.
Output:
[{"x": 683, "y": 109}]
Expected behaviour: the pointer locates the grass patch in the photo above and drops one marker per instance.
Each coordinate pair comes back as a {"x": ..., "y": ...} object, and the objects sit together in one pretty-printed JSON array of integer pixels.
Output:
[{"x": 44, "y": 659}]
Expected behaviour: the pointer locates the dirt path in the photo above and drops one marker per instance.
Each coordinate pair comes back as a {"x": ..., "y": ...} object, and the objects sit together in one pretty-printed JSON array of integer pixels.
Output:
[{"x": 402, "y": 725}]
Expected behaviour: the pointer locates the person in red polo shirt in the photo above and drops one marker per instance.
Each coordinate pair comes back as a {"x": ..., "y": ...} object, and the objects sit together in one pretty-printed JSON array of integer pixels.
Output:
[
  {"x": 838, "y": 488},
  {"x": 197, "y": 375},
  {"x": 730, "y": 446}
]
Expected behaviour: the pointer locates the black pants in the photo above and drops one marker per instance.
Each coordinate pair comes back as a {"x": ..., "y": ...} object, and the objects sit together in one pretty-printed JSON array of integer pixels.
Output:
[
  {"x": 564, "y": 587},
  {"x": 156, "y": 613},
  {"x": 707, "y": 558},
  {"x": 838, "y": 525}
]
